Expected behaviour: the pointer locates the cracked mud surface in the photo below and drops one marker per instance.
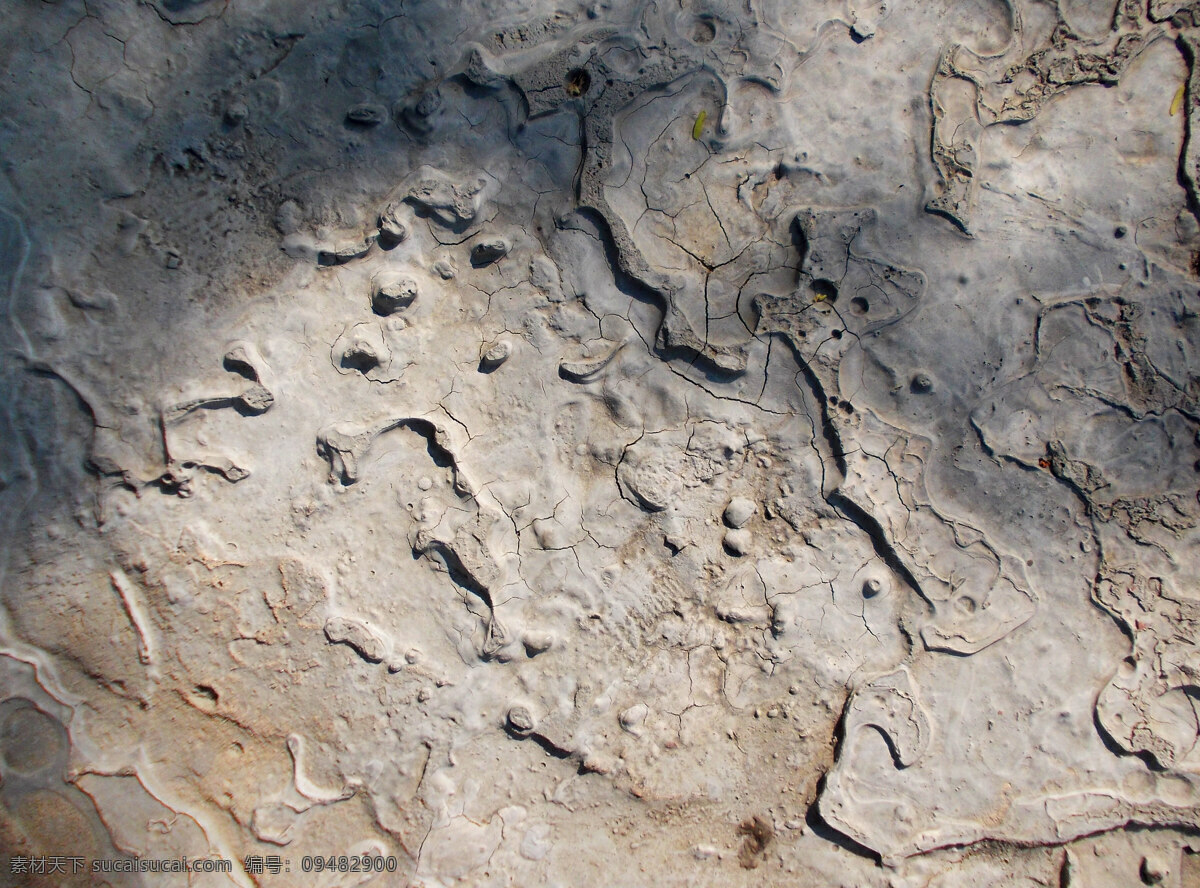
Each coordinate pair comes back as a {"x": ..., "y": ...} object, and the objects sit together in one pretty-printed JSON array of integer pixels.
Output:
[{"x": 675, "y": 442}]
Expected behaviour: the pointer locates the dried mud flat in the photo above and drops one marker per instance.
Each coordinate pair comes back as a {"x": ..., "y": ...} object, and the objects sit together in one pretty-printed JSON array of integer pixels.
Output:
[{"x": 676, "y": 442}]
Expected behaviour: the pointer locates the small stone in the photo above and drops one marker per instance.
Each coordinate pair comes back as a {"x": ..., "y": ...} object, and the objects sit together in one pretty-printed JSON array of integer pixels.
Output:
[
  {"x": 676, "y": 540},
  {"x": 357, "y": 636},
  {"x": 417, "y": 111},
  {"x": 861, "y": 32},
  {"x": 488, "y": 251},
  {"x": 365, "y": 114},
  {"x": 236, "y": 112},
  {"x": 256, "y": 400},
  {"x": 360, "y": 355},
  {"x": 737, "y": 542},
  {"x": 425, "y": 482},
  {"x": 289, "y": 217},
  {"x": 598, "y": 763},
  {"x": 423, "y": 695},
  {"x": 393, "y": 294},
  {"x": 922, "y": 384},
  {"x": 392, "y": 227},
  {"x": 739, "y": 511},
  {"x": 430, "y": 101},
  {"x": 452, "y": 202},
  {"x": 632, "y": 719},
  {"x": 521, "y": 720},
  {"x": 497, "y": 354},
  {"x": 537, "y": 642},
  {"x": 340, "y": 254},
  {"x": 444, "y": 269}
]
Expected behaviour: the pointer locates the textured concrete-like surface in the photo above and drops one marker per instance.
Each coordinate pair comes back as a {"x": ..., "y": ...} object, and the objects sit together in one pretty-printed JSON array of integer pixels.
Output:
[{"x": 676, "y": 442}]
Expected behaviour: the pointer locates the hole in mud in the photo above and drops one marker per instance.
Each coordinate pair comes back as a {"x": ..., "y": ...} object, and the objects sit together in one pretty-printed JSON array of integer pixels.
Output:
[
  {"x": 361, "y": 360},
  {"x": 825, "y": 288},
  {"x": 206, "y": 696},
  {"x": 859, "y": 306},
  {"x": 703, "y": 31},
  {"x": 578, "y": 81},
  {"x": 30, "y": 739}
]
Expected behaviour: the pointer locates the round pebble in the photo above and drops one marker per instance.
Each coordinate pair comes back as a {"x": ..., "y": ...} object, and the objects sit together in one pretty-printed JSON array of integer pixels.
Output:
[
  {"x": 537, "y": 642},
  {"x": 737, "y": 542},
  {"x": 520, "y": 719},
  {"x": 739, "y": 511}
]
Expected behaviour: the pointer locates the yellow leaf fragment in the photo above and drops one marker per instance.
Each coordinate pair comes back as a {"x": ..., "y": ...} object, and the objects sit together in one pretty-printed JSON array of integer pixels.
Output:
[
  {"x": 1177, "y": 102},
  {"x": 698, "y": 126}
]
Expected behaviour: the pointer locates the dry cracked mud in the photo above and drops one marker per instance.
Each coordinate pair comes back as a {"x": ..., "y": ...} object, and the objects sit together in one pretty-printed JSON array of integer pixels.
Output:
[{"x": 665, "y": 442}]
